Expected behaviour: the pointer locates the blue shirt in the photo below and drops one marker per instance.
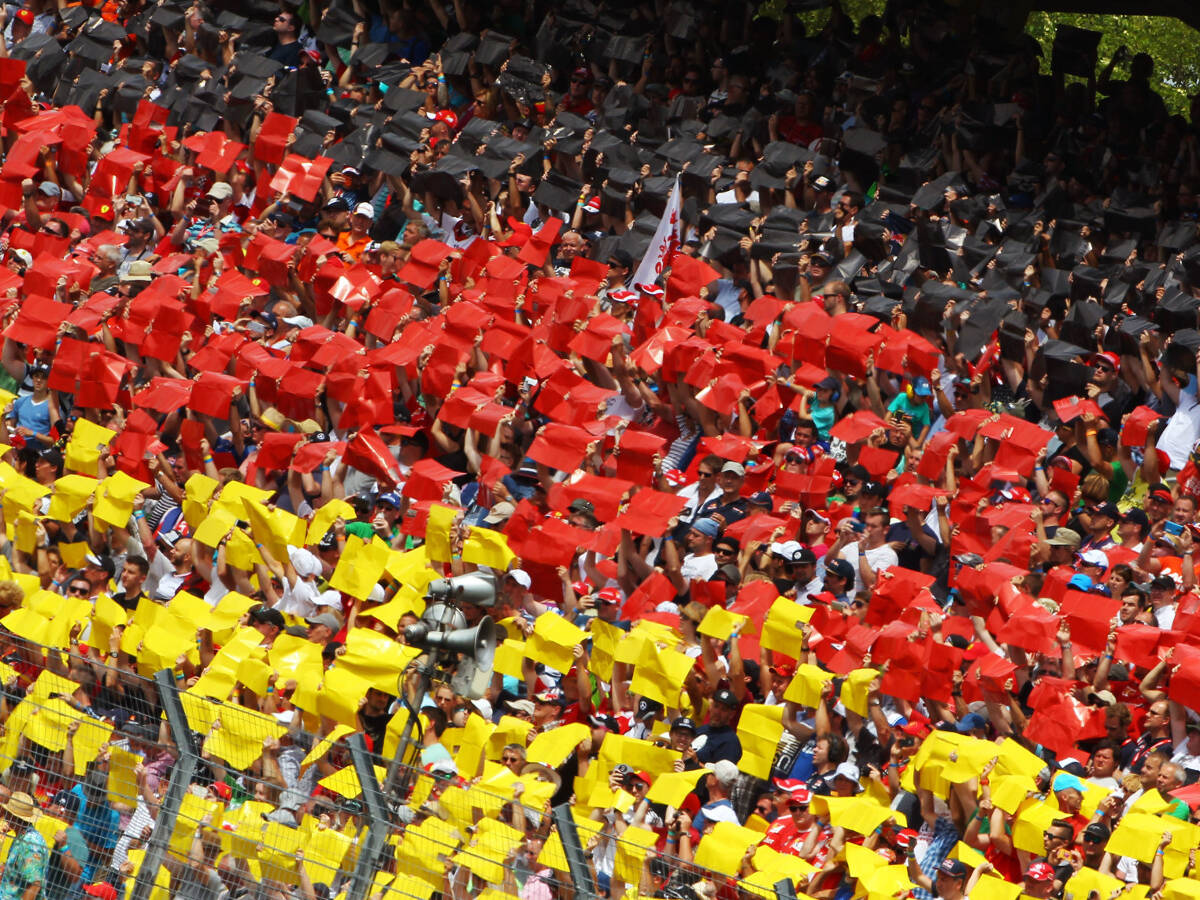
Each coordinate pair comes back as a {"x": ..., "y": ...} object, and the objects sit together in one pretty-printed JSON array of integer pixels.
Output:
[
  {"x": 99, "y": 824},
  {"x": 33, "y": 414}
]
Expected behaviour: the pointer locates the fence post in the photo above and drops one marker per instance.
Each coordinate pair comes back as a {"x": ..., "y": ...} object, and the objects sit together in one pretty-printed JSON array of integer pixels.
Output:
[
  {"x": 181, "y": 777},
  {"x": 577, "y": 863},
  {"x": 378, "y": 822}
]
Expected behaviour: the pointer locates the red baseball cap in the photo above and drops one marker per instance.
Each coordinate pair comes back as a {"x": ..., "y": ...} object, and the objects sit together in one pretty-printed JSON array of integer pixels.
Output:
[
  {"x": 100, "y": 888},
  {"x": 800, "y": 794},
  {"x": 1040, "y": 871},
  {"x": 609, "y": 594},
  {"x": 1111, "y": 358},
  {"x": 222, "y": 790},
  {"x": 25, "y": 15}
]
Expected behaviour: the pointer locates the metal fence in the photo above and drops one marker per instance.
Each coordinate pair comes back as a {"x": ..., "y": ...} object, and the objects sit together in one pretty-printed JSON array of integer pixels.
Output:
[{"x": 162, "y": 792}]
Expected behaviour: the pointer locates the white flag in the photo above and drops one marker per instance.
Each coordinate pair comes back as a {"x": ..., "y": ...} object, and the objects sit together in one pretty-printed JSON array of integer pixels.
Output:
[{"x": 666, "y": 241}]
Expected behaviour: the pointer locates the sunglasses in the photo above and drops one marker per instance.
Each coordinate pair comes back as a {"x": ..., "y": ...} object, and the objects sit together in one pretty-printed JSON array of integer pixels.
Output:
[
  {"x": 797, "y": 807},
  {"x": 1091, "y": 839},
  {"x": 510, "y": 759},
  {"x": 75, "y": 591},
  {"x": 724, "y": 550},
  {"x": 706, "y": 474}
]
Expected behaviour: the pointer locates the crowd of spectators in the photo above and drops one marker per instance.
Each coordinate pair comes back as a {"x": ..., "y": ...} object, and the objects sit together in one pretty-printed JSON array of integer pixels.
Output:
[{"x": 816, "y": 414}]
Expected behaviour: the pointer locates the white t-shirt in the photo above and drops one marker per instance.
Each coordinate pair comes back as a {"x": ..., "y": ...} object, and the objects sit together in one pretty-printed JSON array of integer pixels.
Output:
[
  {"x": 880, "y": 558},
  {"x": 299, "y": 600},
  {"x": 698, "y": 568}
]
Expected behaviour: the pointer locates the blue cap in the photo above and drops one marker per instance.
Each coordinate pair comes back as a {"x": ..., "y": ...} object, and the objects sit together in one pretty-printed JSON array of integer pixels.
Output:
[
  {"x": 921, "y": 388},
  {"x": 970, "y": 722},
  {"x": 1065, "y": 781},
  {"x": 762, "y": 498},
  {"x": 707, "y": 527},
  {"x": 391, "y": 497},
  {"x": 1080, "y": 582}
]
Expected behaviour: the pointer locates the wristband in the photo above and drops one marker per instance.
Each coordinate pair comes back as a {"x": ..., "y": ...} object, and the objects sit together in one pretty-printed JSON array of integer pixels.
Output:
[
  {"x": 208, "y": 459},
  {"x": 270, "y": 688},
  {"x": 138, "y": 514}
]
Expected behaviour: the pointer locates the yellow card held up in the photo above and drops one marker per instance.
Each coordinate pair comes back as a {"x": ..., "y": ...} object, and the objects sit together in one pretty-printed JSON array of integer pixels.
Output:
[{"x": 783, "y": 628}]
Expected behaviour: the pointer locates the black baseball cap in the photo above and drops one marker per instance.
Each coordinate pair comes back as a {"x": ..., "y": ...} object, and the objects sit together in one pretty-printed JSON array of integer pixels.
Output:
[
  {"x": 840, "y": 568},
  {"x": 725, "y": 697}
]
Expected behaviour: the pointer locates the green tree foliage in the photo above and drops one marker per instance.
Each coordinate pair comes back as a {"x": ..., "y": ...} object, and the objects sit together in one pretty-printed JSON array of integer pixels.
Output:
[{"x": 1172, "y": 44}]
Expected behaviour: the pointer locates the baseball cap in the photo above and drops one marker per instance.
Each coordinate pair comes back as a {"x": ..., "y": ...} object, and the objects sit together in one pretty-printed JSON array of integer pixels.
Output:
[
  {"x": 849, "y": 771},
  {"x": 580, "y": 505},
  {"x": 800, "y": 794},
  {"x": 327, "y": 619},
  {"x": 1108, "y": 509},
  {"x": 1097, "y": 831},
  {"x": 338, "y": 204},
  {"x": 726, "y": 698},
  {"x": 1039, "y": 871},
  {"x": 822, "y": 183},
  {"x": 954, "y": 868},
  {"x": 1159, "y": 492},
  {"x": 50, "y": 189},
  {"x": 68, "y": 801},
  {"x": 762, "y": 498},
  {"x": 1111, "y": 358},
  {"x": 220, "y": 191},
  {"x": 707, "y": 527},
  {"x": 786, "y": 550},
  {"x": 101, "y": 562},
  {"x": 521, "y": 706},
  {"x": 25, "y": 16},
  {"x": 521, "y": 577},
  {"x": 1137, "y": 517},
  {"x": 551, "y": 695},
  {"x": 1081, "y": 583},
  {"x": 365, "y": 209},
  {"x": 609, "y": 595},
  {"x": 683, "y": 723},
  {"x": 101, "y": 889},
  {"x": 735, "y": 467},
  {"x": 841, "y": 568},
  {"x": 969, "y": 722},
  {"x": 921, "y": 387},
  {"x": 648, "y": 709},
  {"x": 1094, "y": 557}
]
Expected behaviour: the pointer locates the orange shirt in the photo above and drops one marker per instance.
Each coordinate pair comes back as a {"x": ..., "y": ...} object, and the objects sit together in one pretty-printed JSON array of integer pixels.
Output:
[{"x": 351, "y": 247}]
